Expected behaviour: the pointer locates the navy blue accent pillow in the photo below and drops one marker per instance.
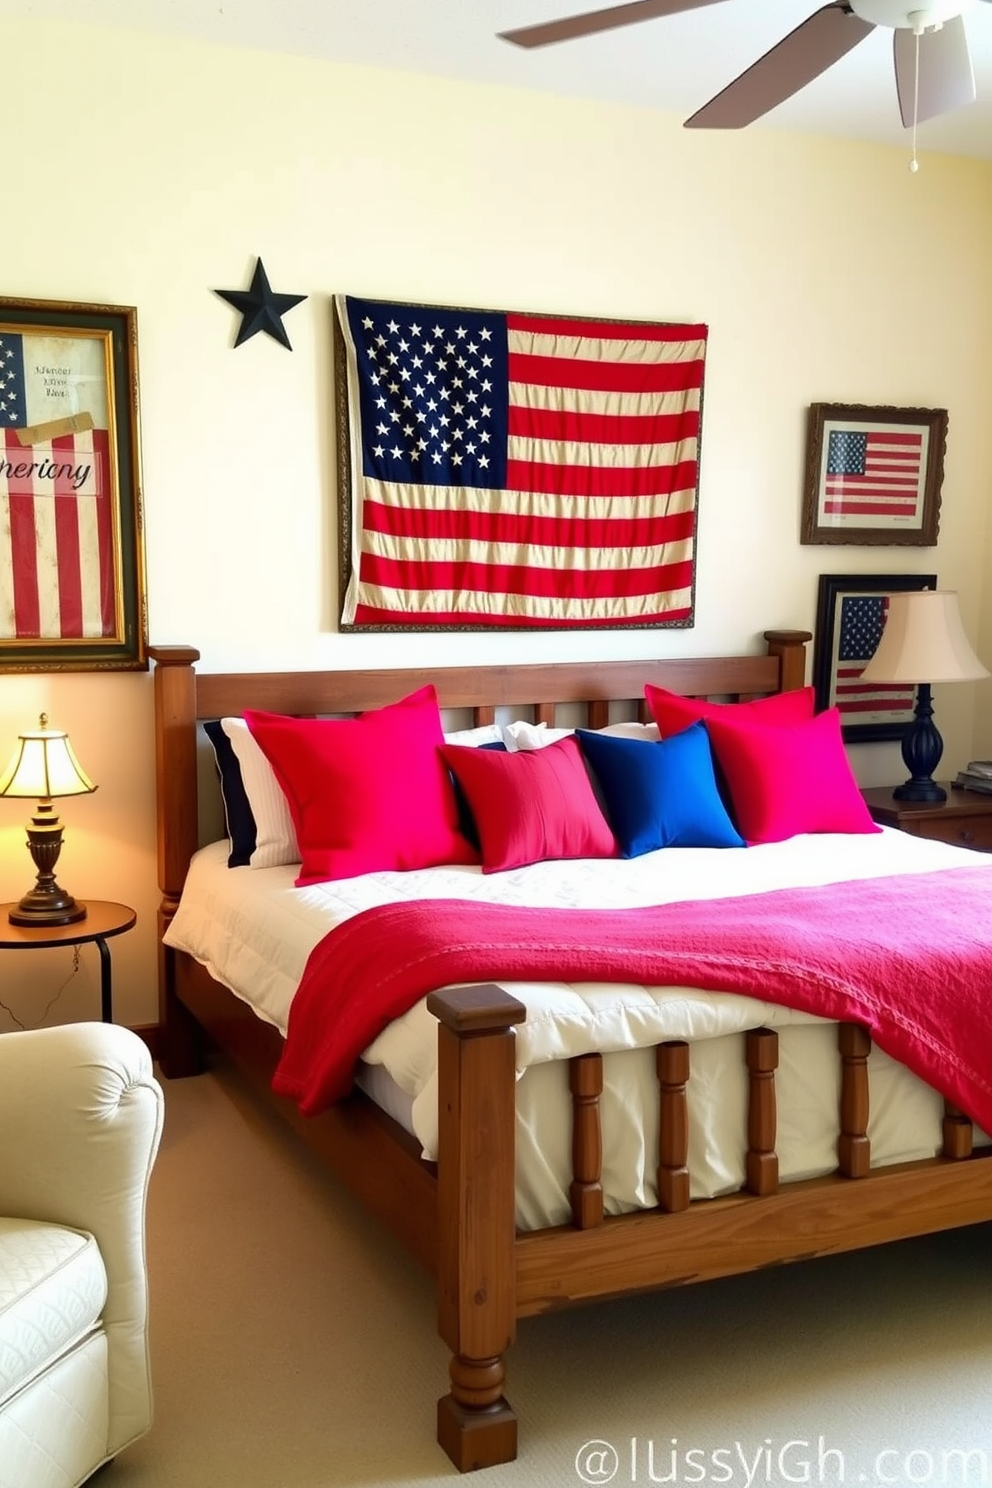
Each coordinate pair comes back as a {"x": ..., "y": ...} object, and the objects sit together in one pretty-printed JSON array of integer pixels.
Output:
[
  {"x": 660, "y": 794},
  {"x": 466, "y": 821},
  {"x": 241, "y": 828}
]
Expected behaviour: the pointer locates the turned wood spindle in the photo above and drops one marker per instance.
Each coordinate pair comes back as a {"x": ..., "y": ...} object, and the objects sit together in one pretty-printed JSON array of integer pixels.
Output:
[
  {"x": 585, "y": 1080},
  {"x": 958, "y": 1133},
  {"x": 853, "y": 1146},
  {"x": 672, "y": 1063},
  {"x": 477, "y": 1384},
  {"x": 761, "y": 1049}
]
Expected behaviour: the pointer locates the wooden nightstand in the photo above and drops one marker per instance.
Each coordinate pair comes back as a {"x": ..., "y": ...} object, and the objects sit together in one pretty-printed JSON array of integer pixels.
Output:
[
  {"x": 102, "y": 921},
  {"x": 965, "y": 818}
]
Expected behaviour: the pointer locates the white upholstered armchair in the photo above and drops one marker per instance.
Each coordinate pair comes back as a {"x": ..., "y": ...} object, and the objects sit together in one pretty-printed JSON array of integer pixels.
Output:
[{"x": 80, "y": 1122}]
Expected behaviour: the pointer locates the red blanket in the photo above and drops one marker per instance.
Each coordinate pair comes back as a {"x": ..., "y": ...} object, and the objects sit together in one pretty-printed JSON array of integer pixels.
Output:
[{"x": 909, "y": 957}]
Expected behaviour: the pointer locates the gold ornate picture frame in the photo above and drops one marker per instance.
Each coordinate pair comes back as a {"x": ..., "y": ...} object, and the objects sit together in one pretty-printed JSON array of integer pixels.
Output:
[{"x": 72, "y": 573}]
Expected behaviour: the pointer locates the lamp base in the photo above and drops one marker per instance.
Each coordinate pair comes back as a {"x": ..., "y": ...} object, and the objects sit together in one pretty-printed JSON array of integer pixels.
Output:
[
  {"x": 46, "y": 903},
  {"x": 922, "y": 748},
  {"x": 48, "y": 906},
  {"x": 920, "y": 790}
]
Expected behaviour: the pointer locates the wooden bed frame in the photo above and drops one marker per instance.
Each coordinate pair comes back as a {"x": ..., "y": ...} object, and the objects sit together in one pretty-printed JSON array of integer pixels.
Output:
[{"x": 457, "y": 1216}]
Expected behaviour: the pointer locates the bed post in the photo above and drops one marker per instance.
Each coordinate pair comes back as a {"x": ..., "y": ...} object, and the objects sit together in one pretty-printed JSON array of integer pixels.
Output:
[
  {"x": 790, "y": 648},
  {"x": 476, "y": 1194},
  {"x": 175, "y": 789}
]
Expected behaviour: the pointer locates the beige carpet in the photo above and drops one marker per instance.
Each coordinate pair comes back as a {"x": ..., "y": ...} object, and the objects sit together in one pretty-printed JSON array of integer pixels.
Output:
[{"x": 293, "y": 1346}]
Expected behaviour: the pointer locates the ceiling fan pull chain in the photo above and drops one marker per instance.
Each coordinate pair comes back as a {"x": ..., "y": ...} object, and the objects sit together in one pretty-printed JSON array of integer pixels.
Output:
[{"x": 914, "y": 164}]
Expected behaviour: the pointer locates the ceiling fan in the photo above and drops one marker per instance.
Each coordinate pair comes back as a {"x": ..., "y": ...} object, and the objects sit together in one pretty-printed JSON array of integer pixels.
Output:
[{"x": 933, "y": 67}]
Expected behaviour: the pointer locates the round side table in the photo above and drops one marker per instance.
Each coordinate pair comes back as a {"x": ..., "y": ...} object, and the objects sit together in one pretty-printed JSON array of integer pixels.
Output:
[{"x": 103, "y": 921}]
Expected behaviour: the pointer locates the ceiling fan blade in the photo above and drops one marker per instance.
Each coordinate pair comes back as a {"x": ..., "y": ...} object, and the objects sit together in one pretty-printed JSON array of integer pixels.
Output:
[
  {"x": 600, "y": 20},
  {"x": 947, "y": 78},
  {"x": 798, "y": 58}
]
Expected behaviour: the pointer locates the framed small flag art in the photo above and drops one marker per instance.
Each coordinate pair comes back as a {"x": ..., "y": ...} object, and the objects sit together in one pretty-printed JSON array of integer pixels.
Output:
[
  {"x": 72, "y": 585},
  {"x": 851, "y": 612},
  {"x": 873, "y": 475}
]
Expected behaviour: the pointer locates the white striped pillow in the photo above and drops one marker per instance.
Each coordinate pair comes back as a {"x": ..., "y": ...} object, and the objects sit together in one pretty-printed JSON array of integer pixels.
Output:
[{"x": 275, "y": 834}]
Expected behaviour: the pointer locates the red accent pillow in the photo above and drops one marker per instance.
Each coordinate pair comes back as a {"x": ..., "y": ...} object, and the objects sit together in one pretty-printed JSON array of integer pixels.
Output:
[
  {"x": 366, "y": 793},
  {"x": 786, "y": 780},
  {"x": 532, "y": 805},
  {"x": 673, "y": 712}
]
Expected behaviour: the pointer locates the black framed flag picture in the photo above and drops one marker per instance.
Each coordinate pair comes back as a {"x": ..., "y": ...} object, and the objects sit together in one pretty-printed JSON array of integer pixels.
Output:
[
  {"x": 850, "y": 617},
  {"x": 502, "y": 470}
]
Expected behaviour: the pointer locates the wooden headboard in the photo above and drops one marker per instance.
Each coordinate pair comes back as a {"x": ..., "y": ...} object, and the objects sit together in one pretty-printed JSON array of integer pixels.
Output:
[{"x": 183, "y": 697}]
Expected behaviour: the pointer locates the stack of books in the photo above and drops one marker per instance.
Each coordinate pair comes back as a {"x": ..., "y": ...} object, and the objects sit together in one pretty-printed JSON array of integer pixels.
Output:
[{"x": 977, "y": 777}]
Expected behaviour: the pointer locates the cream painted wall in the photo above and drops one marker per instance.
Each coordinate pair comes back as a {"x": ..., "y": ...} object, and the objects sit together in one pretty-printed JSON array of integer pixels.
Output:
[{"x": 149, "y": 171}]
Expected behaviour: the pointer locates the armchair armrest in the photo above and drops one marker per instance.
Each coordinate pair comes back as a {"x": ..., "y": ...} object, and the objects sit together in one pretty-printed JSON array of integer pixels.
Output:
[{"x": 80, "y": 1122}]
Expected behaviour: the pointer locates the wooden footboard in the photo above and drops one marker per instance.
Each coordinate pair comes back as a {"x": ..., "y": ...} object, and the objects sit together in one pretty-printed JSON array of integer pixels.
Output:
[
  {"x": 457, "y": 1217},
  {"x": 487, "y": 1278}
]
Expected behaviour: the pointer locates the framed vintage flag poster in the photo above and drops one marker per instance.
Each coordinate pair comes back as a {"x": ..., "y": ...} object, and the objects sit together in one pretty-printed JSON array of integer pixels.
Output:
[
  {"x": 873, "y": 475},
  {"x": 851, "y": 611},
  {"x": 525, "y": 471},
  {"x": 72, "y": 587}
]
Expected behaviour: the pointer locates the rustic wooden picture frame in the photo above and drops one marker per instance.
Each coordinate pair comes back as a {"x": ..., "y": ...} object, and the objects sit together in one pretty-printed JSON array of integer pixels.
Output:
[{"x": 873, "y": 475}]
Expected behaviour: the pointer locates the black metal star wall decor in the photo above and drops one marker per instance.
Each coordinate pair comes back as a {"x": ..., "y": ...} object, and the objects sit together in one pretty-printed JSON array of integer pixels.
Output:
[{"x": 261, "y": 308}]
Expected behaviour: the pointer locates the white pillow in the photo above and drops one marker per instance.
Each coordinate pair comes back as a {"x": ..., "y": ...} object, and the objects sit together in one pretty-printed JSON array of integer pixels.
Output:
[
  {"x": 275, "y": 835},
  {"x": 487, "y": 733},
  {"x": 631, "y": 730},
  {"x": 522, "y": 736}
]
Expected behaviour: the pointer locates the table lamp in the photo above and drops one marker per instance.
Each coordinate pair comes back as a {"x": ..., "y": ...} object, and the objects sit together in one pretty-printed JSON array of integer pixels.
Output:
[
  {"x": 923, "y": 642},
  {"x": 43, "y": 766}
]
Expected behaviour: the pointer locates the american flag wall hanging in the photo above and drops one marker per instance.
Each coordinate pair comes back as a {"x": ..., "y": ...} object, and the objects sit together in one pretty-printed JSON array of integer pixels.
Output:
[{"x": 504, "y": 470}]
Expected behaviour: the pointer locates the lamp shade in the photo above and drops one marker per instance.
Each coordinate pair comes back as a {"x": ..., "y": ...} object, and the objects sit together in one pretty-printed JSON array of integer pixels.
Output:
[
  {"x": 924, "y": 641},
  {"x": 43, "y": 765}
]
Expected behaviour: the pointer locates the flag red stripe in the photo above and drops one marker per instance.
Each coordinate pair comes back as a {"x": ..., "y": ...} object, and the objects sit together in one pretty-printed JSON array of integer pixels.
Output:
[
  {"x": 891, "y": 438},
  {"x": 570, "y": 426},
  {"x": 366, "y": 614},
  {"x": 70, "y": 621},
  {"x": 455, "y": 525},
  {"x": 603, "y": 330},
  {"x": 599, "y": 480},
  {"x": 854, "y": 689},
  {"x": 837, "y": 483},
  {"x": 503, "y": 578},
  {"x": 611, "y": 377},
  {"x": 24, "y": 561},
  {"x": 882, "y": 705},
  {"x": 870, "y": 508}
]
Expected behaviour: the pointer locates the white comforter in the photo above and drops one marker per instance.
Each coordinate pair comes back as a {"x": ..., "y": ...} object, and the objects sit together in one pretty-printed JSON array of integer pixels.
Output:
[{"x": 254, "y": 931}]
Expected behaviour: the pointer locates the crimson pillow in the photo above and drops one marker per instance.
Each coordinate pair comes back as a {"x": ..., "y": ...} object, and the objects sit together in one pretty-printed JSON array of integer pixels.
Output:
[
  {"x": 366, "y": 793},
  {"x": 673, "y": 712},
  {"x": 532, "y": 805},
  {"x": 784, "y": 780}
]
